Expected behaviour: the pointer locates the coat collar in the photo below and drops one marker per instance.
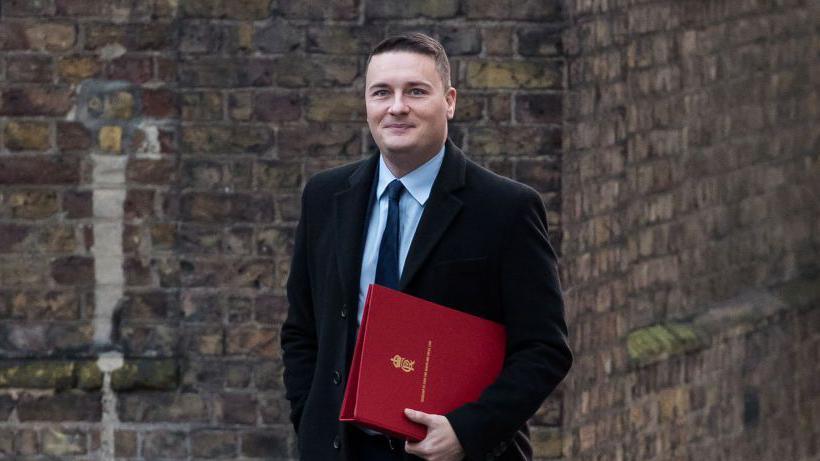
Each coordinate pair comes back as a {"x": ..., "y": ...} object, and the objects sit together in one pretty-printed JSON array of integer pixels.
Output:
[
  {"x": 351, "y": 207},
  {"x": 351, "y": 210},
  {"x": 439, "y": 211}
]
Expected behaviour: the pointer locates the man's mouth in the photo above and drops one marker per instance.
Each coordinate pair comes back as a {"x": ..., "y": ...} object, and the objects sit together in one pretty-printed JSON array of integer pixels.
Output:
[{"x": 398, "y": 126}]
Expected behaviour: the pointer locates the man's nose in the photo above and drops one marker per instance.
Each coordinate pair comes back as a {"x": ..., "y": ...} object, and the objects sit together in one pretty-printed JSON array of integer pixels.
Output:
[{"x": 398, "y": 105}]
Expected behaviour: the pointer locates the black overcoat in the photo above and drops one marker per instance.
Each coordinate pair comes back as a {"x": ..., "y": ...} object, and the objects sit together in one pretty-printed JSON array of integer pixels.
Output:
[{"x": 481, "y": 247}]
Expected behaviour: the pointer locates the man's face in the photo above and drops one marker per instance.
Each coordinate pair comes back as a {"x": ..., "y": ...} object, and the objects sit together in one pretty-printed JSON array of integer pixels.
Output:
[{"x": 407, "y": 104}]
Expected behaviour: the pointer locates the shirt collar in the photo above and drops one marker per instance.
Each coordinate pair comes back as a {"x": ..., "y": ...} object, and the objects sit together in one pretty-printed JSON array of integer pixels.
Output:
[{"x": 418, "y": 182}]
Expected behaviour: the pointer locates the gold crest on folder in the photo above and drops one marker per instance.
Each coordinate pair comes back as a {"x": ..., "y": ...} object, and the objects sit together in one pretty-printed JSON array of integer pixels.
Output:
[{"x": 403, "y": 363}]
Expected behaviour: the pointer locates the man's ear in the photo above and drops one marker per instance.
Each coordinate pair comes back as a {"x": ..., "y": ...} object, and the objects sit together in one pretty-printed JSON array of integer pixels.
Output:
[{"x": 450, "y": 97}]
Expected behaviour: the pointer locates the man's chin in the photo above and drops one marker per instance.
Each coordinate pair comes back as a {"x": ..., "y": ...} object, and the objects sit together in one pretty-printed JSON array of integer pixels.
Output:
[{"x": 400, "y": 145}]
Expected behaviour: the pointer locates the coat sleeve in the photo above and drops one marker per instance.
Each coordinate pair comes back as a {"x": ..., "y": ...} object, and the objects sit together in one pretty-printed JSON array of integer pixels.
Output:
[
  {"x": 298, "y": 338},
  {"x": 538, "y": 355}
]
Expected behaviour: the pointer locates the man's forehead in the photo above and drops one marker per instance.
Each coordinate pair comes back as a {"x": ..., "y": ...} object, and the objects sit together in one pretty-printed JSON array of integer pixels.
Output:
[
  {"x": 401, "y": 61},
  {"x": 401, "y": 67}
]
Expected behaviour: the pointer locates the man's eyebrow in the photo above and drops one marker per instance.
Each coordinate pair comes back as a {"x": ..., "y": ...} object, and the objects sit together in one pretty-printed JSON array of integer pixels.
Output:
[
  {"x": 419, "y": 84},
  {"x": 385, "y": 85}
]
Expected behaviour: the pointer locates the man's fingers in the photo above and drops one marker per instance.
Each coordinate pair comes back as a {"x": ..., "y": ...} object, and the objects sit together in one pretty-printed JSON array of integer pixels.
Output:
[
  {"x": 422, "y": 449},
  {"x": 413, "y": 448},
  {"x": 419, "y": 417}
]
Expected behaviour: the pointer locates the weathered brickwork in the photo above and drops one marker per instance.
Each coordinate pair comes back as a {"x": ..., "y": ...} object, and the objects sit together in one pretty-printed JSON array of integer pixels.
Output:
[
  {"x": 690, "y": 180},
  {"x": 152, "y": 156}
]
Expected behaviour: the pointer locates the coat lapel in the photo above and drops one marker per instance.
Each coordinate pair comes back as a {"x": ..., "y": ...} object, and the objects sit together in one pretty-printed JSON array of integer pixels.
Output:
[
  {"x": 440, "y": 210},
  {"x": 351, "y": 207}
]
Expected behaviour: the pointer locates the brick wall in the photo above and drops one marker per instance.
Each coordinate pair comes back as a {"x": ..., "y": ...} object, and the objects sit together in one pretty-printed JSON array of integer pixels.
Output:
[
  {"x": 690, "y": 217},
  {"x": 152, "y": 155}
]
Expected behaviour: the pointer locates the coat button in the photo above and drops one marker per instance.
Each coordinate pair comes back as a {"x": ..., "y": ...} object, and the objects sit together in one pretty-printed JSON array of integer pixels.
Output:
[
  {"x": 343, "y": 312},
  {"x": 337, "y": 377},
  {"x": 337, "y": 442}
]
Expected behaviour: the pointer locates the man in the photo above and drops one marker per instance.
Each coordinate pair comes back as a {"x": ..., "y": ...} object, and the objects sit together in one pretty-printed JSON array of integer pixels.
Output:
[{"x": 422, "y": 218}]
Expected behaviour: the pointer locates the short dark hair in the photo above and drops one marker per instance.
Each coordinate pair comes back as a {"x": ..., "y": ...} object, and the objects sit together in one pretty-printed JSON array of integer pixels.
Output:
[{"x": 416, "y": 42}]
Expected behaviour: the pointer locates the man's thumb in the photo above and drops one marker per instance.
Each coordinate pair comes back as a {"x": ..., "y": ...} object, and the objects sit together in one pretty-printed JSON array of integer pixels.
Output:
[{"x": 418, "y": 416}]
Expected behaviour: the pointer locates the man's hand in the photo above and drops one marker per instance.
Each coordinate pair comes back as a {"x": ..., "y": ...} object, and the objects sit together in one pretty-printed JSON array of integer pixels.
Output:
[{"x": 441, "y": 443}]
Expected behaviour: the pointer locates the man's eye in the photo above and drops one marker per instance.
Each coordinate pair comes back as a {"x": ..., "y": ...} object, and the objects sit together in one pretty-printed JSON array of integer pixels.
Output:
[
  {"x": 417, "y": 92},
  {"x": 380, "y": 93}
]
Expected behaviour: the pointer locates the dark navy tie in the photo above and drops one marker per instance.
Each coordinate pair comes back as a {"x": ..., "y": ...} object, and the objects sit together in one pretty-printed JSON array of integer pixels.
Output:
[{"x": 387, "y": 267}]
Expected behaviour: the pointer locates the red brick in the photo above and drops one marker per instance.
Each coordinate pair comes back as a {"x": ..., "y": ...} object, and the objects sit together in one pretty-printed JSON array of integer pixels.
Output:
[
  {"x": 238, "y": 409},
  {"x": 73, "y": 270},
  {"x": 459, "y": 41},
  {"x": 150, "y": 171},
  {"x": 29, "y": 69},
  {"x": 270, "y": 309},
  {"x": 164, "y": 444},
  {"x": 166, "y": 69},
  {"x": 12, "y": 36},
  {"x": 315, "y": 71},
  {"x": 149, "y": 340},
  {"x": 498, "y": 41},
  {"x": 541, "y": 41},
  {"x": 11, "y": 236},
  {"x": 335, "y": 107},
  {"x": 273, "y": 107},
  {"x": 39, "y": 170},
  {"x": 253, "y": 341},
  {"x": 539, "y": 108},
  {"x": 221, "y": 73},
  {"x": 36, "y": 101},
  {"x": 77, "y": 204},
  {"x": 278, "y": 37},
  {"x": 73, "y": 136},
  {"x": 137, "y": 272},
  {"x": 74, "y": 406},
  {"x": 160, "y": 103},
  {"x": 214, "y": 444},
  {"x": 139, "y": 204},
  {"x": 264, "y": 444},
  {"x": 259, "y": 72},
  {"x": 131, "y": 68},
  {"x": 162, "y": 407},
  {"x": 333, "y": 140},
  {"x": 167, "y": 140},
  {"x": 225, "y": 140},
  {"x": 153, "y": 305}
]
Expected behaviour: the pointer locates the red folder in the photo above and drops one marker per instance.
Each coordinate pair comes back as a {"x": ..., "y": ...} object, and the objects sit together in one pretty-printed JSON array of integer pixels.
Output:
[{"x": 412, "y": 353}]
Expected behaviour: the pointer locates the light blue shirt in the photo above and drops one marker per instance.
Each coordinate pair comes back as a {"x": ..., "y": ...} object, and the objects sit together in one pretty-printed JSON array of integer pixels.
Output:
[{"x": 418, "y": 184}]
